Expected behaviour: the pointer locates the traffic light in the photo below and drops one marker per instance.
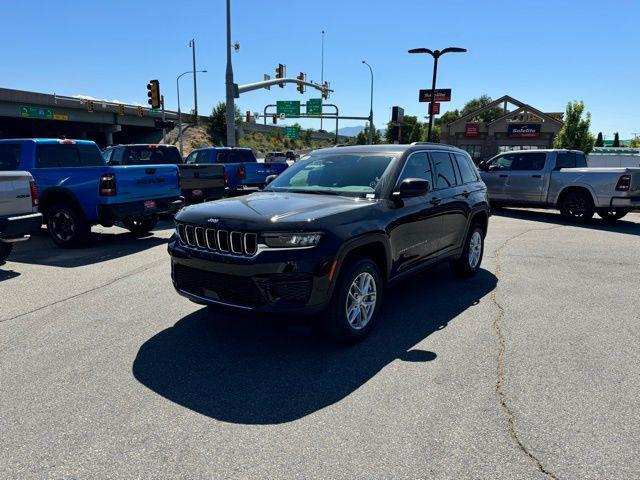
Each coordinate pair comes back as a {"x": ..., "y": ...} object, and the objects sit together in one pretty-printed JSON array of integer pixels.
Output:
[
  {"x": 89, "y": 105},
  {"x": 140, "y": 111},
  {"x": 280, "y": 73},
  {"x": 325, "y": 90},
  {"x": 153, "y": 93},
  {"x": 275, "y": 119},
  {"x": 120, "y": 109},
  {"x": 301, "y": 87}
]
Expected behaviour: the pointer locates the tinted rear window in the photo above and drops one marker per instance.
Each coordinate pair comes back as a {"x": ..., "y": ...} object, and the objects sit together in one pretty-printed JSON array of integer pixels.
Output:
[
  {"x": 570, "y": 160},
  {"x": 51, "y": 155},
  {"x": 467, "y": 169},
  {"x": 10, "y": 157},
  {"x": 235, "y": 156},
  {"x": 151, "y": 156},
  {"x": 445, "y": 173}
]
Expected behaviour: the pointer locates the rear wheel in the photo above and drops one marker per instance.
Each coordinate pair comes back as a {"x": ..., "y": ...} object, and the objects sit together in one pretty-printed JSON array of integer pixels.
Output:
[
  {"x": 611, "y": 215},
  {"x": 469, "y": 262},
  {"x": 356, "y": 301},
  {"x": 67, "y": 226},
  {"x": 577, "y": 207},
  {"x": 140, "y": 225},
  {"x": 5, "y": 250}
]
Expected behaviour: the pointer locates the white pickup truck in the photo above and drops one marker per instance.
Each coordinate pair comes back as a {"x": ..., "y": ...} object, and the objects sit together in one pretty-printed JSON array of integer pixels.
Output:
[
  {"x": 560, "y": 179},
  {"x": 18, "y": 209}
]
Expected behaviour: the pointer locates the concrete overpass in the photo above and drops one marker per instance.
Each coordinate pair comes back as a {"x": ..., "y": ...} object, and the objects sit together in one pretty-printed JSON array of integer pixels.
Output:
[{"x": 31, "y": 114}]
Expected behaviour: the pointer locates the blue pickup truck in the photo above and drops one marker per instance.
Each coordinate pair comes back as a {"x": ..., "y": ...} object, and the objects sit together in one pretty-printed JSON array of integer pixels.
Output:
[
  {"x": 77, "y": 189},
  {"x": 241, "y": 168}
]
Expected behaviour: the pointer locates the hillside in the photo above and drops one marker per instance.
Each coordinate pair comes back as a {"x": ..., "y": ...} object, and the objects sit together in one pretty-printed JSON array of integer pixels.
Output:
[{"x": 260, "y": 142}]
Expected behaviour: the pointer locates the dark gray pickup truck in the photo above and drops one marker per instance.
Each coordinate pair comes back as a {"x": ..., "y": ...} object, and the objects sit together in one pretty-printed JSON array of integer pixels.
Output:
[{"x": 198, "y": 182}]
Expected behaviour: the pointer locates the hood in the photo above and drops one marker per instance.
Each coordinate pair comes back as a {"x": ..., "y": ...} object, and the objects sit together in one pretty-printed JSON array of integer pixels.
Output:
[{"x": 275, "y": 208}]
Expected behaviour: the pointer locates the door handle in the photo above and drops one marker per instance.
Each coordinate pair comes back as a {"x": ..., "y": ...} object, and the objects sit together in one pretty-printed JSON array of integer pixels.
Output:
[
  {"x": 504, "y": 176},
  {"x": 435, "y": 201},
  {"x": 536, "y": 176}
]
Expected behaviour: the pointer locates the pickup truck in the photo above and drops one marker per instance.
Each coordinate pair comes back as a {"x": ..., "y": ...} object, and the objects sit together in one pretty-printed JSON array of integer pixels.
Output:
[
  {"x": 560, "y": 179},
  {"x": 77, "y": 189},
  {"x": 18, "y": 203},
  {"x": 198, "y": 182},
  {"x": 241, "y": 169}
]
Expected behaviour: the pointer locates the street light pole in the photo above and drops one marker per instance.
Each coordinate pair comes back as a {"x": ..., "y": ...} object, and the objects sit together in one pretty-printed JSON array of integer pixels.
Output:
[
  {"x": 436, "y": 54},
  {"x": 192, "y": 44},
  {"x": 231, "y": 123},
  {"x": 322, "y": 69},
  {"x": 371, "y": 127},
  {"x": 179, "y": 109}
]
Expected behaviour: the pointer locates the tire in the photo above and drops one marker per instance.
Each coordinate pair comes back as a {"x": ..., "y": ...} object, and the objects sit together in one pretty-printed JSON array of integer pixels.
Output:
[
  {"x": 469, "y": 262},
  {"x": 577, "y": 207},
  {"x": 346, "y": 298},
  {"x": 5, "y": 251},
  {"x": 140, "y": 225},
  {"x": 611, "y": 215},
  {"x": 67, "y": 226}
]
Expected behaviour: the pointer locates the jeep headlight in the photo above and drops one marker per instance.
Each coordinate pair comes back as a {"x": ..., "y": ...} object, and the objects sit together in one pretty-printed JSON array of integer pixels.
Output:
[{"x": 292, "y": 240}]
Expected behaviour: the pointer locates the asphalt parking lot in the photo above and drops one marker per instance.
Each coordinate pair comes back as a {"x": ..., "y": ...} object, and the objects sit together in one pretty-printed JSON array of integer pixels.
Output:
[{"x": 529, "y": 370}]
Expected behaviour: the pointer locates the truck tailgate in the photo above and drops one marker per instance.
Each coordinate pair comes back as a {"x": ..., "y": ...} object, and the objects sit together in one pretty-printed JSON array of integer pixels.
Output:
[
  {"x": 201, "y": 176},
  {"x": 256, "y": 173},
  {"x": 144, "y": 182},
  {"x": 15, "y": 193}
]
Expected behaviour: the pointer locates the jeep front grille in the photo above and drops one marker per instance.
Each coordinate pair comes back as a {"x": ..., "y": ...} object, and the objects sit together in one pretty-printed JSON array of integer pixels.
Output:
[{"x": 224, "y": 241}]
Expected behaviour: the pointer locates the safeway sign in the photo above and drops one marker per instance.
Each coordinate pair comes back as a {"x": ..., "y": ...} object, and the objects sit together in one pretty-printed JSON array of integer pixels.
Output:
[{"x": 441, "y": 95}]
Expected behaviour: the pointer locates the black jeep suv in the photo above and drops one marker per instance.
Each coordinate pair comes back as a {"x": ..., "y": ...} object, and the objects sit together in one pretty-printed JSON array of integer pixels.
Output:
[{"x": 332, "y": 231}]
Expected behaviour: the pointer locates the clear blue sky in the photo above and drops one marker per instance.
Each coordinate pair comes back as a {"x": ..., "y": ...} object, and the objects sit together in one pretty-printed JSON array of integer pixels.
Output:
[{"x": 542, "y": 52}]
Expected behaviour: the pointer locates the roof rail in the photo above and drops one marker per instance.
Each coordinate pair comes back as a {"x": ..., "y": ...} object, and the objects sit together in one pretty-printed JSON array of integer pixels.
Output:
[{"x": 428, "y": 143}]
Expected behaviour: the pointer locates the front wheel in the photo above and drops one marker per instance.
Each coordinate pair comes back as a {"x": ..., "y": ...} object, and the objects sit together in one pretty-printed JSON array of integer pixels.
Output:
[
  {"x": 5, "y": 250},
  {"x": 612, "y": 215},
  {"x": 356, "y": 301},
  {"x": 577, "y": 207},
  {"x": 140, "y": 225},
  {"x": 469, "y": 262}
]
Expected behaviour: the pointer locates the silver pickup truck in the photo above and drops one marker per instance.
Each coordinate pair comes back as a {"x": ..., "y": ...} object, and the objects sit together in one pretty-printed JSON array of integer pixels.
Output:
[
  {"x": 18, "y": 209},
  {"x": 560, "y": 179}
]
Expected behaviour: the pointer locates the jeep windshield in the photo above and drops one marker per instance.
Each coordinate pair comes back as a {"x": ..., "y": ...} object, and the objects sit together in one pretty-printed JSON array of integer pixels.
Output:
[{"x": 351, "y": 174}]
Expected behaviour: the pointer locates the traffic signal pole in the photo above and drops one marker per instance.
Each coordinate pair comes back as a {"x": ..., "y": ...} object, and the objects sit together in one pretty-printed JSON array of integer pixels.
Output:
[{"x": 231, "y": 127}]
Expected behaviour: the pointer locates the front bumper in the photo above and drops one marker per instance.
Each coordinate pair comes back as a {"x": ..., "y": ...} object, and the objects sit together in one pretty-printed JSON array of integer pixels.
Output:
[
  {"x": 273, "y": 281},
  {"x": 109, "y": 214},
  {"x": 18, "y": 228}
]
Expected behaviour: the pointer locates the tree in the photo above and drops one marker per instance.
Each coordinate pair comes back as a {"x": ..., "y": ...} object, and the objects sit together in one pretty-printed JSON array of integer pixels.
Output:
[
  {"x": 218, "y": 123},
  {"x": 599, "y": 140},
  {"x": 616, "y": 140},
  {"x": 306, "y": 136},
  {"x": 363, "y": 136},
  {"x": 405, "y": 132},
  {"x": 448, "y": 117},
  {"x": 574, "y": 133},
  {"x": 480, "y": 102},
  {"x": 635, "y": 143}
]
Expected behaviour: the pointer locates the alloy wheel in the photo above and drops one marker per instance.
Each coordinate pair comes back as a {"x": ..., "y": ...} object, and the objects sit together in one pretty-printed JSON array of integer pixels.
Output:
[
  {"x": 361, "y": 300},
  {"x": 475, "y": 249}
]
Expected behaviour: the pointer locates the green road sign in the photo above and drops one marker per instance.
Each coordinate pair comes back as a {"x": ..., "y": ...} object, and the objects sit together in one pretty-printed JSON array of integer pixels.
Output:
[
  {"x": 36, "y": 112},
  {"x": 291, "y": 132},
  {"x": 314, "y": 106},
  {"x": 291, "y": 108}
]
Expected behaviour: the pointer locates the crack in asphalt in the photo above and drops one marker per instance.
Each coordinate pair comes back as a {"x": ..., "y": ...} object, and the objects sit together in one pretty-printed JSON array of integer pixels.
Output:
[
  {"x": 144, "y": 268},
  {"x": 500, "y": 368}
]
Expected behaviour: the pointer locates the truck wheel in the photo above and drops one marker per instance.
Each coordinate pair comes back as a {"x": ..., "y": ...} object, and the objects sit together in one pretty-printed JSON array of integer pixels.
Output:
[
  {"x": 356, "y": 302},
  {"x": 611, "y": 215},
  {"x": 577, "y": 207},
  {"x": 469, "y": 262},
  {"x": 5, "y": 250},
  {"x": 67, "y": 226},
  {"x": 140, "y": 225}
]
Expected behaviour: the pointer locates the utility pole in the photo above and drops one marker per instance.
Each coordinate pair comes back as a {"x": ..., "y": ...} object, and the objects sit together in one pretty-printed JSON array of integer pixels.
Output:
[
  {"x": 322, "y": 69},
  {"x": 164, "y": 130},
  {"x": 192, "y": 44},
  {"x": 231, "y": 124},
  {"x": 371, "y": 109}
]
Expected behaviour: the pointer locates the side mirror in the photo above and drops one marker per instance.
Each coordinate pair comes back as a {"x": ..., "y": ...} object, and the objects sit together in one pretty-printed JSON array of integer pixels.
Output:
[
  {"x": 413, "y": 187},
  {"x": 270, "y": 179}
]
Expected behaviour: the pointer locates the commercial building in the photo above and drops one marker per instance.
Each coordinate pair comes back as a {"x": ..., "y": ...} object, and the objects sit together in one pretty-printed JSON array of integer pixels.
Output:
[{"x": 521, "y": 128}]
